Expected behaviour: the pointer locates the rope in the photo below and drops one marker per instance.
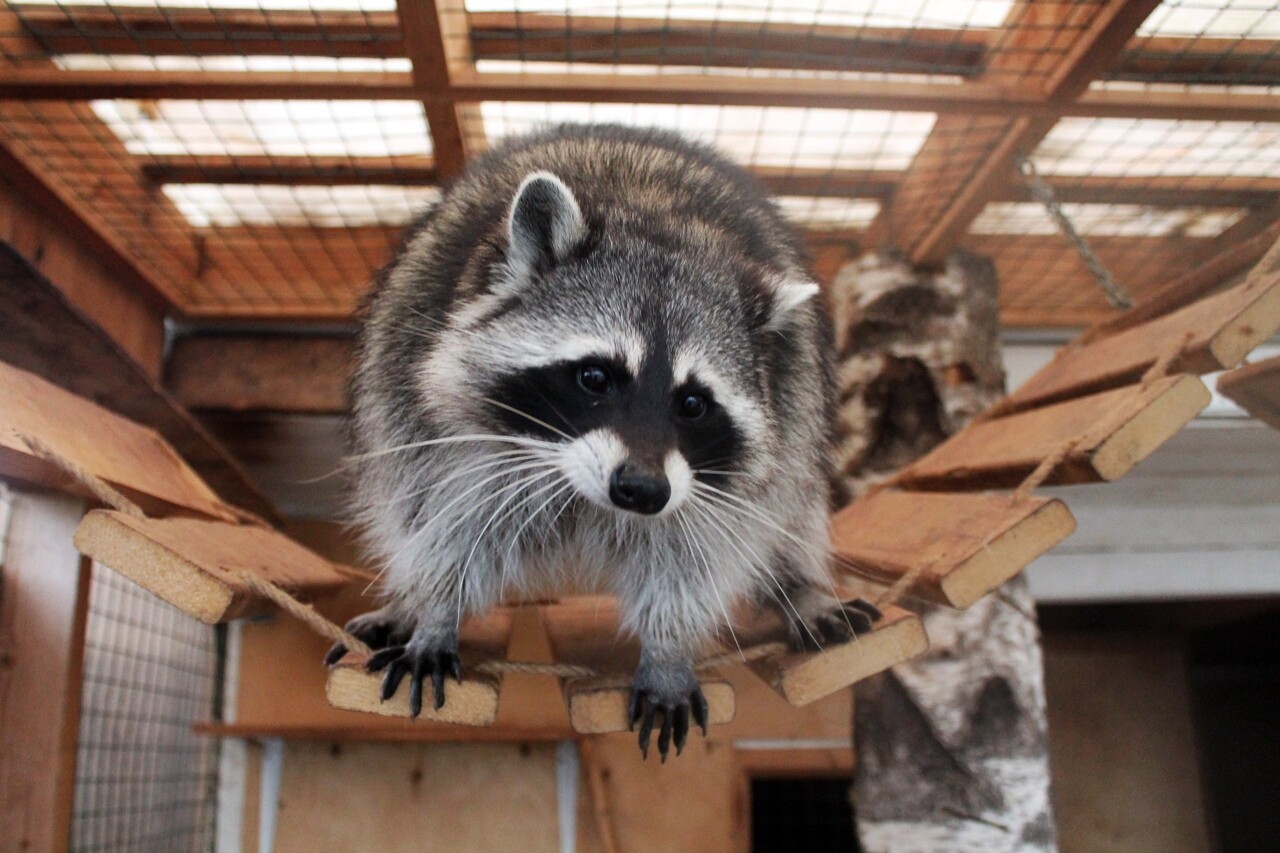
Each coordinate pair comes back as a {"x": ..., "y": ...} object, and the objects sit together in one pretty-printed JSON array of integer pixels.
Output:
[
  {"x": 305, "y": 613},
  {"x": 904, "y": 584},
  {"x": 104, "y": 493},
  {"x": 1042, "y": 471}
]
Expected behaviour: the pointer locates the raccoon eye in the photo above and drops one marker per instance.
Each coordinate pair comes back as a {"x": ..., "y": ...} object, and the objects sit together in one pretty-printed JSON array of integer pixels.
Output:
[
  {"x": 594, "y": 378},
  {"x": 693, "y": 406}
]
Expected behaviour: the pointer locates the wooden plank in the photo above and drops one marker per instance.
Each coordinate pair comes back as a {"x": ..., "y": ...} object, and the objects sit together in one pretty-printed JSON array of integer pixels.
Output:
[
  {"x": 970, "y": 544},
  {"x": 42, "y": 617},
  {"x": 436, "y": 46},
  {"x": 1256, "y": 388},
  {"x": 261, "y": 372},
  {"x": 1112, "y": 431},
  {"x": 801, "y": 678},
  {"x": 42, "y": 333},
  {"x": 471, "y": 702},
  {"x": 1222, "y": 330},
  {"x": 599, "y": 705},
  {"x": 195, "y": 564},
  {"x": 130, "y": 457}
]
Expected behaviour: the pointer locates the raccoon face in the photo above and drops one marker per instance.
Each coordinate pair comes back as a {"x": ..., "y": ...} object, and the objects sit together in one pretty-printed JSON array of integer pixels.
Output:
[{"x": 633, "y": 363}]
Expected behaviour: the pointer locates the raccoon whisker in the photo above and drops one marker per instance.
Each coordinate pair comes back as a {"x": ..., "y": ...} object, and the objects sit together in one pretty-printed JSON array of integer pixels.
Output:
[
  {"x": 453, "y": 524},
  {"x": 558, "y": 484},
  {"x": 509, "y": 457},
  {"x": 529, "y": 417},
  {"x": 520, "y": 530},
  {"x": 455, "y": 439},
  {"x": 722, "y": 528},
  {"x": 748, "y": 511},
  {"x": 719, "y": 473},
  {"x": 514, "y": 491},
  {"x": 429, "y": 525},
  {"x": 691, "y": 539}
]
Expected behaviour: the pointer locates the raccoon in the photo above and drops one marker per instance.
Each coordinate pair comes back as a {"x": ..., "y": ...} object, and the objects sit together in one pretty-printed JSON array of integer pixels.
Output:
[{"x": 597, "y": 364}]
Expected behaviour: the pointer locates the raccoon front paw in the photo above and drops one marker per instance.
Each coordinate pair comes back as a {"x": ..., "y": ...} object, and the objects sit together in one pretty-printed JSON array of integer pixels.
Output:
[
  {"x": 376, "y": 629},
  {"x": 417, "y": 662},
  {"x": 834, "y": 625},
  {"x": 673, "y": 691}
]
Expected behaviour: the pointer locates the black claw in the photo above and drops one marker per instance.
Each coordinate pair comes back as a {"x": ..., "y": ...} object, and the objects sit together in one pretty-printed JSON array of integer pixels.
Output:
[
  {"x": 698, "y": 704},
  {"x": 664, "y": 734},
  {"x": 391, "y": 681},
  {"x": 867, "y": 608},
  {"x": 420, "y": 664},
  {"x": 337, "y": 653},
  {"x": 680, "y": 728},
  {"x": 646, "y": 728},
  {"x": 636, "y": 709},
  {"x": 379, "y": 661},
  {"x": 455, "y": 667},
  {"x": 437, "y": 683}
]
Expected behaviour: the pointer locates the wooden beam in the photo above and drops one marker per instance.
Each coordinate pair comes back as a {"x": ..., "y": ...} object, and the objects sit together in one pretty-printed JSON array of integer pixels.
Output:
[
  {"x": 261, "y": 373},
  {"x": 969, "y": 544},
  {"x": 436, "y": 42},
  {"x": 196, "y": 565},
  {"x": 471, "y": 702},
  {"x": 42, "y": 617},
  {"x": 1109, "y": 434},
  {"x": 71, "y": 28},
  {"x": 1256, "y": 388},
  {"x": 41, "y": 332},
  {"x": 1215, "y": 333},
  {"x": 965, "y": 163},
  {"x": 802, "y": 678}
]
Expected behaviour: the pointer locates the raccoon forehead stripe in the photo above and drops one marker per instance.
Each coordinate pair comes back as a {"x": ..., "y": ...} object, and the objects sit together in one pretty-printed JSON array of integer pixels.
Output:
[
  {"x": 693, "y": 366},
  {"x": 538, "y": 350}
]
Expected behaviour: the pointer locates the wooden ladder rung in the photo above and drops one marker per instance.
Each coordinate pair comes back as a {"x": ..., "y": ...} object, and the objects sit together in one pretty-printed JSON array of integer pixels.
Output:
[
  {"x": 471, "y": 702},
  {"x": 968, "y": 544}
]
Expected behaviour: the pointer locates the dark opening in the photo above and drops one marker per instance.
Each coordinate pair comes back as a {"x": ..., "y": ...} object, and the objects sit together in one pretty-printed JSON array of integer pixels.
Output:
[{"x": 813, "y": 815}]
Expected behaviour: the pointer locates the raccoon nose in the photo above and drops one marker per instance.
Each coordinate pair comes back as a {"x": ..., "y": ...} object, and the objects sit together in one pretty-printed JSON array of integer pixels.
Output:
[{"x": 634, "y": 489}]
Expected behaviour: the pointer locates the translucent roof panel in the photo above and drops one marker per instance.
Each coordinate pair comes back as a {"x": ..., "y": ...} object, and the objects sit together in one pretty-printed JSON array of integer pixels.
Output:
[
  {"x": 127, "y": 62},
  {"x": 231, "y": 205},
  {"x": 1232, "y": 19},
  {"x": 280, "y": 128},
  {"x": 304, "y": 5},
  {"x": 1110, "y": 220},
  {"x": 783, "y": 137},
  {"x": 828, "y": 214},
  {"x": 1150, "y": 147},
  {"x": 854, "y": 13}
]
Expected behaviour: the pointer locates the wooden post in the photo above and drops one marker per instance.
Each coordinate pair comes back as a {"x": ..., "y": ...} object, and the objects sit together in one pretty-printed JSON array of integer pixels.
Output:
[
  {"x": 43, "y": 607},
  {"x": 935, "y": 738}
]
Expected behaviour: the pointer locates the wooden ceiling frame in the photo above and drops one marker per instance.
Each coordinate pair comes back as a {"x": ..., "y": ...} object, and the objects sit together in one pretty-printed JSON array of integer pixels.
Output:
[
  {"x": 964, "y": 163},
  {"x": 437, "y": 37}
]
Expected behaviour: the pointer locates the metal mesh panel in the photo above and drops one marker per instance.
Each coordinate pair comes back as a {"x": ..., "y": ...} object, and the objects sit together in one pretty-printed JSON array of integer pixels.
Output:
[{"x": 145, "y": 783}]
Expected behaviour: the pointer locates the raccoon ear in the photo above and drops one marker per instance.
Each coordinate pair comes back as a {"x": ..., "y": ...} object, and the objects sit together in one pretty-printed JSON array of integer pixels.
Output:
[
  {"x": 789, "y": 292},
  {"x": 544, "y": 225}
]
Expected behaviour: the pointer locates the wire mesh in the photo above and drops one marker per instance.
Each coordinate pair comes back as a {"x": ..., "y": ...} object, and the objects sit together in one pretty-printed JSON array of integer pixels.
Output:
[
  {"x": 1204, "y": 45},
  {"x": 850, "y": 39},
  {"x": 151, "y": 35},
  {"x": 145, "y": 782}
]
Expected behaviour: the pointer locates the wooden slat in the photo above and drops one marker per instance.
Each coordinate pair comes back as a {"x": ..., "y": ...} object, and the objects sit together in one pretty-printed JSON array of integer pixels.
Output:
[
  {"x": 42, "y": 618},
  {"x": 436, "y": 48},
  {"x": 72, "y": 28},
  {"x": 41, "y": 333},
  {"x": 132, "y": 458},
  {"x": 801, "y": 678},
  {"x": 1113, "y": 431},
  {"x": 471, "y": 702},
  {"x": 195, "y": 564},
  {"x": 1223, "y": 329},
  {"x": 1256, "y": 387},
  {"x": 963, "y": 165},
  {"x": 280, "y": 373},
  {"x": 970, "y": 544}
]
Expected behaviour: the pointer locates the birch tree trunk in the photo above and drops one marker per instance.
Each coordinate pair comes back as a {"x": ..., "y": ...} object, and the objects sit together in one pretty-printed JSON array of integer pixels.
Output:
[{"x": 951, "y": 749}]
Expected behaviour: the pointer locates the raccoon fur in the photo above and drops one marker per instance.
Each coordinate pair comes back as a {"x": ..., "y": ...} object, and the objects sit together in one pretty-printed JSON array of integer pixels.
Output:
[{"x": 597, "y": 364}]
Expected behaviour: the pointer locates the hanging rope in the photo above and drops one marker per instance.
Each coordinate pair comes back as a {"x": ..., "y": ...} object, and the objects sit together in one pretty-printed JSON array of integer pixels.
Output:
[{"x": 1044, "y": 194}]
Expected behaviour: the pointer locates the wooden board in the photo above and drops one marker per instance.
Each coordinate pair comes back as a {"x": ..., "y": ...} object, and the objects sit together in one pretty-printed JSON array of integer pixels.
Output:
[
  {"x": 599, "y": 705},
  {"x": 1256, "y": 387},
  {"x": 192, "y": 563},
  {"x": 970, "y": 543},
  {"x": 801, "y": 678},
  {"x": 1114, "y": 431},
  {"x": 130, "y": 457},
  {"x": 42, "y": 617},
  {"x": 471, "y": 702},
  {"x": 1223, "y": 328},
  {"x": 586, "y": 631}
]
